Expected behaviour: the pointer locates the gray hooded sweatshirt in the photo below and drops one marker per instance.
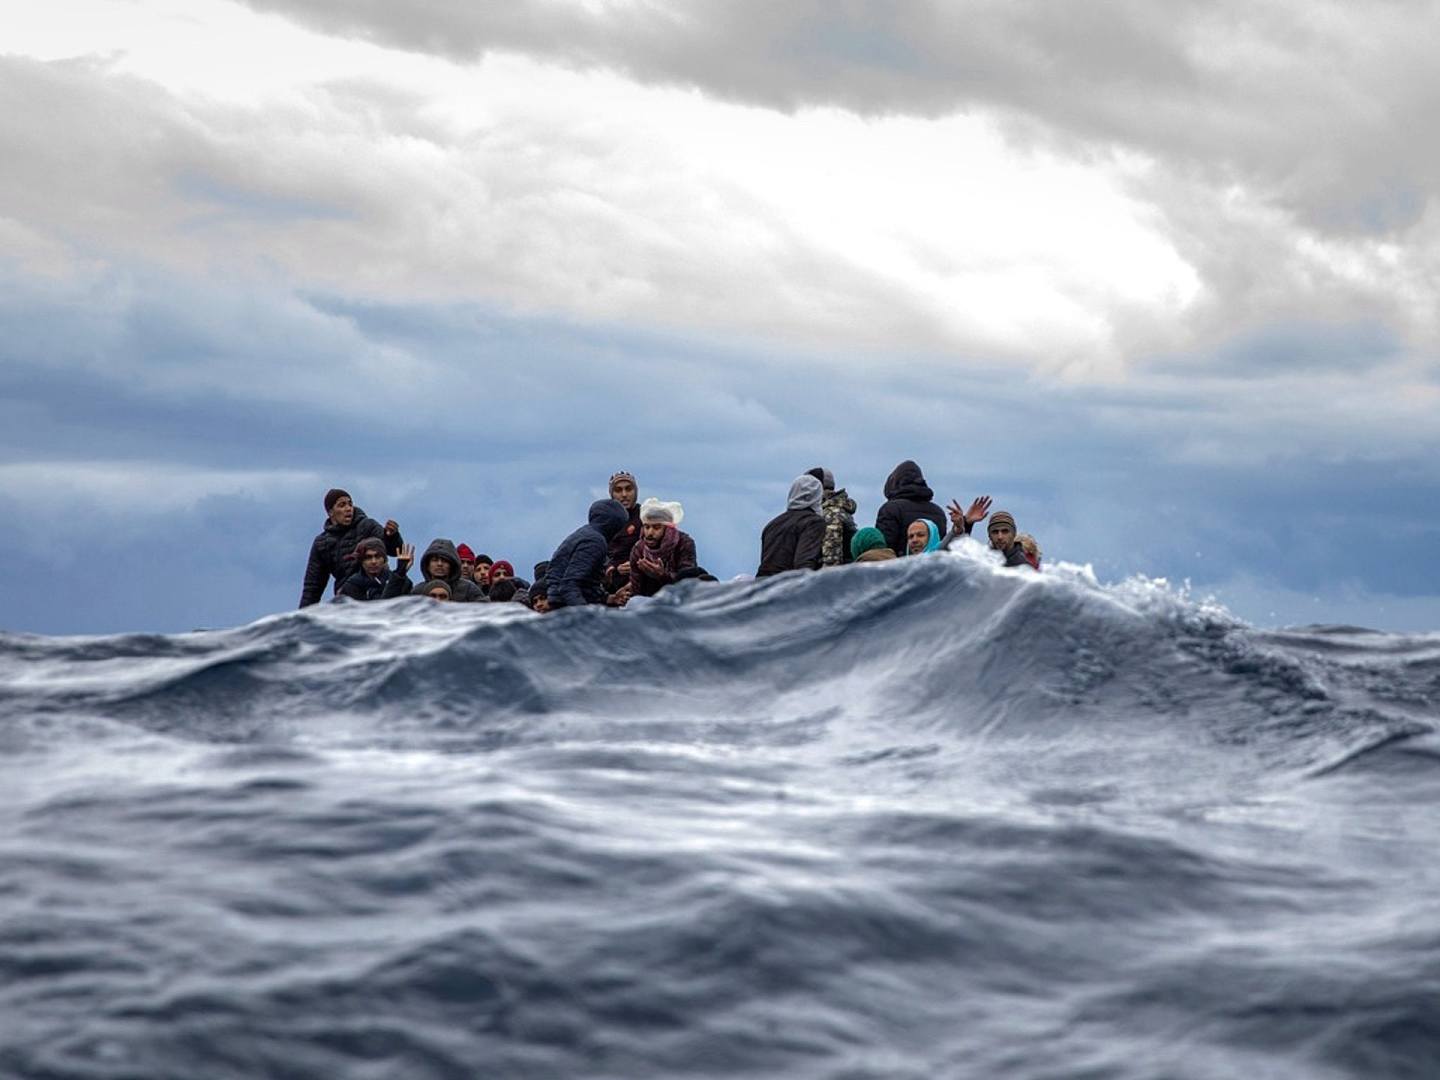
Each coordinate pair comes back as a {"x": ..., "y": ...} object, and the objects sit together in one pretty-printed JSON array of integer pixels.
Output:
[{"x": 793, "y": 541}]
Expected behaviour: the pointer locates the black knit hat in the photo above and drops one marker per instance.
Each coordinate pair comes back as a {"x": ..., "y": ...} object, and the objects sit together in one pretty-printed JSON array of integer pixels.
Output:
[{"x": 333, "y": 496}]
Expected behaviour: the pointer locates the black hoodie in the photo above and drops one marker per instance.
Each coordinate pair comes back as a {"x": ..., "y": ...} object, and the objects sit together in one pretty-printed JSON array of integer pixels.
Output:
[{"x": 908, "y": 500}]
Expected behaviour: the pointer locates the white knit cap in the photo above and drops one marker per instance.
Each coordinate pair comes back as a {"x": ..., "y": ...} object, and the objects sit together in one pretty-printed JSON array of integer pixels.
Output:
[{"x": 671, "y": 513}]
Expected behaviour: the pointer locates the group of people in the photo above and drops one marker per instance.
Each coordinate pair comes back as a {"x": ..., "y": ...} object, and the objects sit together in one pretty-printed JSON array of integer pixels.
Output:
[{"x": 628, "y": 548}]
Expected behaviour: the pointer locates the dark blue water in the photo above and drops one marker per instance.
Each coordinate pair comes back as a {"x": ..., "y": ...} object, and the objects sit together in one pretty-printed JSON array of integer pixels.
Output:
[{"x": 930, "y": 819}]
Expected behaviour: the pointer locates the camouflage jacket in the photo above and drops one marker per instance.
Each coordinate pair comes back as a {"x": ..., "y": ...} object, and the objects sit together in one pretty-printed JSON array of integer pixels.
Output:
[{"x": 838, "y": 510}]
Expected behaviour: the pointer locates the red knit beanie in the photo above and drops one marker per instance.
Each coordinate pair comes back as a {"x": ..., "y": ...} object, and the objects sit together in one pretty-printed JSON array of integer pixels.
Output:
[{"x": 490, "y": 574}]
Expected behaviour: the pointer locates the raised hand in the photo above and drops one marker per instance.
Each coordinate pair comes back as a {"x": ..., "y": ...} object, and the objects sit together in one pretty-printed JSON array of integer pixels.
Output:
[
  {"x": 979, "y": 509},
  {"x": 406, "y": 557}
]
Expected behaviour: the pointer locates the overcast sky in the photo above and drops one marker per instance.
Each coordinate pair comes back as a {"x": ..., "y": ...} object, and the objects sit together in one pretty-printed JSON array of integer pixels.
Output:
[{"x": 1159, "y": 278}]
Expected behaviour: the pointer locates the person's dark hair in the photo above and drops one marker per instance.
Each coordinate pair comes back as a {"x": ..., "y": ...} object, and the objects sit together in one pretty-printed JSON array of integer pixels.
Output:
[
  {"x": 503, "y": 591},
  {"x": 333, "y": 496}
]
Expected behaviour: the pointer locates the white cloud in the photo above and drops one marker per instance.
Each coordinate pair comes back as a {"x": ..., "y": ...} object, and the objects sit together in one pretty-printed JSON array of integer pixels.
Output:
[{"x": 363, "y": 171}]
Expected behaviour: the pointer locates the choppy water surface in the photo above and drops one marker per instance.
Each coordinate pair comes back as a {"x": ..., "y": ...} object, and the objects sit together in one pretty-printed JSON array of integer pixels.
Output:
[{"x": 930, "y": 819}]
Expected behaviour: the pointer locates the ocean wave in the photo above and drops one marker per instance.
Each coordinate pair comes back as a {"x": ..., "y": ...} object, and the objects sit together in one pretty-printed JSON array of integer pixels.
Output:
[{"x": 930, "y": 818}]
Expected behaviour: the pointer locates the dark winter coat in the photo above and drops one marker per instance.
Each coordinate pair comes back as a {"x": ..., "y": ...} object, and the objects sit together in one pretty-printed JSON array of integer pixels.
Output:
[
  {"x": 619, "y": 551},
  {"x": 1015, "y": 556},
  {"x": 390, "y": 584},
  {"x": 462, "y": 589},
  {"x": 794, "y": 539},
  {"x": 577, "y": 569},
  {"x": 908, "y": 499},
  {"x": 838, "y": 509},
  {"x": 332, "y": 554},
  {"x": 676, "y": 553}
]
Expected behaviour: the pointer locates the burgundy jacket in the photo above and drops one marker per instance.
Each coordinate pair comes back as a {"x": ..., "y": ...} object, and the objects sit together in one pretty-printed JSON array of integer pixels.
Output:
[{"x": 676, "y": 552}]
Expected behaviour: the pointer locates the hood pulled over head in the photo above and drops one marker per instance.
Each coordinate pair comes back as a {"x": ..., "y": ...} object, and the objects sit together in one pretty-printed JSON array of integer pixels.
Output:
[
  {"x": 805, "y": 494},
  {"x": 445, "y": 549},
  {"x": 908, "y": 482},
  {"x": 609, "y": 517}
]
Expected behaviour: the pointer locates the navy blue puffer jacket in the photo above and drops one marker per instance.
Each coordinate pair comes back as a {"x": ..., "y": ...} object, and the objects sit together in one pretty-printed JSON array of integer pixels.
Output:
[{"x": 577, "y": 569}]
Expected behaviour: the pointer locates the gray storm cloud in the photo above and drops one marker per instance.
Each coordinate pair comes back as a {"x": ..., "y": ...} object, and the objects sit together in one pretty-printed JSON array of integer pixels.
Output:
[{"x": 1323, "y": 105}]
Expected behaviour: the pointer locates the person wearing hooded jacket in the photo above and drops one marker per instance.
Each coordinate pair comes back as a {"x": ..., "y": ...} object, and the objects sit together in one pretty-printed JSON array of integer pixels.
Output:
[
  {"x": 794, "y": 540},
  {"x": 332, "y": 553},
  {"x": 577, "y": 569},
  {"x": 462, "y": 589},
  {"x": 907, "y": 499}
]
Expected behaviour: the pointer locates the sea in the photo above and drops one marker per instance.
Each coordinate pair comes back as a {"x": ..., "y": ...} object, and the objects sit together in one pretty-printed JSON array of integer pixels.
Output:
[{"x": 926, "y": 819}]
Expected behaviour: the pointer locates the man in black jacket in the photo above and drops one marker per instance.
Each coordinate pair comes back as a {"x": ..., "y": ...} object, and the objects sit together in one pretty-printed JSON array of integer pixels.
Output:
[
  {"x": 332, "y": 554},
  {"x": 577, "y": 569},
  {"x": 375, "y": 580},
  {"x": 908, "y": 499},
  {"x": 795, "y": 539}
]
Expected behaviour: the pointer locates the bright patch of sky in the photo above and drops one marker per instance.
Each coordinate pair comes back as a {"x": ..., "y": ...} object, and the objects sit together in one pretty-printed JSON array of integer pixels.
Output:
[{"x": 640, "y": 201}]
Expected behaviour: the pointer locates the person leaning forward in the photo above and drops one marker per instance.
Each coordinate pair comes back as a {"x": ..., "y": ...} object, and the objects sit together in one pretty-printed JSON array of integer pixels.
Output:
[{"x": 576, "y": 575}]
